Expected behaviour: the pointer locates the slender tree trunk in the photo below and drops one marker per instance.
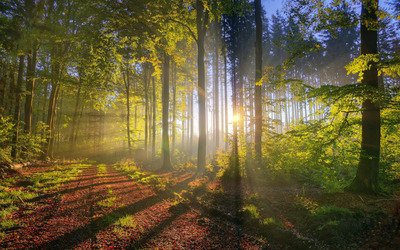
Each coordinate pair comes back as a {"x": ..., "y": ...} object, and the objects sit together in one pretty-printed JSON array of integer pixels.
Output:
[
  {"x": 216, "y": 84},
  {"x": 187, "y": 146},
  {"x": 51, "y": 117},
  {"x": 30, "y": 87},
  {"x": 191, "y": 123},
  {"x": 235, "y": 139},
  {"x": 55, "y": 77},
  {"x": 366, "y": 179},
  {"x": 153, "y": 142},
  {"x": 173, "y": 108},
  {"x": 146, "y": 108},
  {"x": 226, "y": 98},
  {"x": 166, "y": 157},
  {"x": 17, "y": 110},
  {"x": 128, "y": 109},
  {"x": 200, "y": 21},
  {"x": 44, "y": 101},
  {"x": 135, "y": 118},
  {"x": 75, "y": 117},
  {"x": 258, "y": 86},
  {"x": 12, "y": 89}
]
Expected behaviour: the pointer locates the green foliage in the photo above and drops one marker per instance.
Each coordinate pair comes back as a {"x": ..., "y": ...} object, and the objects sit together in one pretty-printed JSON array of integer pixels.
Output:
[
  {"x": 133, "y": 171},
  {"x": 109, "y": 201},
  {"x": 388, "y": 67},
  {"x": 337, "y": 225},
  {"x": 127, "y": 221},
  {"x": 6, "y": 127},
  {"x": 12, "y": 195},
  {"x": 8, "y": 224},
  {"x": 325, "y": 155},
  {"x": 251, "y": 211},
  {"x": 29, "y": 146},
  {"x": 101, "y": 169},
  {"x": 58, "y": 175}
]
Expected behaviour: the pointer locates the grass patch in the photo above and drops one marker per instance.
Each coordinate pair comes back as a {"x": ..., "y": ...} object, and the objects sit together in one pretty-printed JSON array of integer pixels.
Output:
[
  {"x": 101, "y": 169},
  {"x": 338, "y": 226},
  {"x": 124, "y": 223},
  {"x": 55, "y": 177},
  {"x": 6, "y": 212},
  {"x": 8, "y": 224},
  {"x": 120, "y": 232},
  {"x": 138, "y": 176},
  {"x": 109, "y": 201},
  {"x": 251, "y": 211},
  {"x": 17, "y": 191},
  {"x": 127, "y": 221}
]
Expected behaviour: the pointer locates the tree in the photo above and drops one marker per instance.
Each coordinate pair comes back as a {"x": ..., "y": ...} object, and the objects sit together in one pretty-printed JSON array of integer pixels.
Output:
[
  {"x": 166, "y": 156},
  {"x": 201, "y": 21},
  {"x": 258, "y": 77},
  {"x": 366, "y": 179}
]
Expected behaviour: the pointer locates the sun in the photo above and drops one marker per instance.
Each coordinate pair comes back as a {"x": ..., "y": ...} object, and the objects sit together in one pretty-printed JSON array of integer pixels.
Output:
[{"x": 235, "y": 118}]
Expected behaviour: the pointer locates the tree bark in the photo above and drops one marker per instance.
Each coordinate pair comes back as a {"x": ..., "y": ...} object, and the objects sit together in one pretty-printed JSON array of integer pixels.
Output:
[
  {"x": 173, "y": 108},
  {"x": 216, "y": 84},
  {"x": 72, "y": 139},
  {"x": 166, "y": 156},
  {"x": 153, "y": 142},
  {"x": 258, "y": 86},
  {"x": 128, "y": 109},
  {"x": 226, "y": 97},
  {"x": 146, "y": 108},
  {"x": 366, "y": 179},
  {"x": 200, "y": 22},
  {"x": 30, "y": 87},
  {"x": 17, "y": 110}
]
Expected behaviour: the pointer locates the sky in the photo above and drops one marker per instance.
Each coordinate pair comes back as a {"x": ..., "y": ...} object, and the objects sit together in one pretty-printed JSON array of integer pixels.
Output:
[{"x": 270, "y": 6}]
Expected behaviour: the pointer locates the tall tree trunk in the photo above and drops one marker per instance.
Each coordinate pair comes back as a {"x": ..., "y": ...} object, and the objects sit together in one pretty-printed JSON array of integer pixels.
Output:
[
  {"x": 128, "y": 109},
  {"x": 173, "y": 108},
  {"x": 17, "y": 110},
  {"x": 366, "y": 179},
  {"x": 146, "y": 108},
  {"x": 51, "y": 117},
  {"x": 30, "y": 87},
  {"x": 74, "y": 121},
  {"x": 55, "y": 77},
  {"x": 12, "y": 88},
  {"x": 226, "y": 97},
  {"x": 200, "y": 22},
  {"x": 258, "y": 86},
  {"x": 191, "y": 123},
  {"x": 216, "y": 84},
  {"x": 166, "y": 156},
  {"x": 188, "y": 146},
  {"x": 153, "y": 142},
  {"x": 235, "y": 110}
]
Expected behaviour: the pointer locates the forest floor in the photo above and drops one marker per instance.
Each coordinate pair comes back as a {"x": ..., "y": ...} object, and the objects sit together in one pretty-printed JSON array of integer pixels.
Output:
[{"x": 88, "y": 206}]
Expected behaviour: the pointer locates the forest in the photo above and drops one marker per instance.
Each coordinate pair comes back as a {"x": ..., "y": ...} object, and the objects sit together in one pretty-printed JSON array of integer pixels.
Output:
[{"x": 199, "y": 124}]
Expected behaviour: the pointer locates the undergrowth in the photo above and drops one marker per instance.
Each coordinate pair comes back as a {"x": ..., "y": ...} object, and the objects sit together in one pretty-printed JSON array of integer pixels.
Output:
[
  {"x": 16, "y": 192},
  {"x": 137, "y": 175}
]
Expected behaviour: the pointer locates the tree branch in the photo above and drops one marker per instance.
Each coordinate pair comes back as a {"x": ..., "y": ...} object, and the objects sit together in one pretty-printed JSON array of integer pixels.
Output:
[{"x": 186, "y": 26}]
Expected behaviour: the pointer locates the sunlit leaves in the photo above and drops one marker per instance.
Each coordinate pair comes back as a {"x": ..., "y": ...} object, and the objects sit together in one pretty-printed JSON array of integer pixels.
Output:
[{"x": 361, "y": 64}]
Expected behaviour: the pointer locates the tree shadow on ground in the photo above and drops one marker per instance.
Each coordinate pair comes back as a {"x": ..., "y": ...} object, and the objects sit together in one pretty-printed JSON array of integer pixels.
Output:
[{"x": 73, "y": 238}]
